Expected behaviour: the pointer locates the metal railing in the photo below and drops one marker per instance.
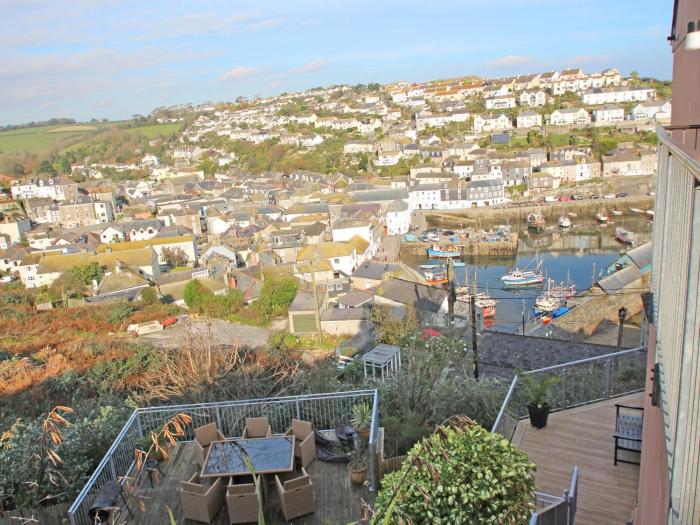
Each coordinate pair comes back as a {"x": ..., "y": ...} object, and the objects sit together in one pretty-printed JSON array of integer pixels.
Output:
[
  {"x": 324, "y": 411},
  {"x": 557, "y": 510},
  {"x": 579, "y": 383}
]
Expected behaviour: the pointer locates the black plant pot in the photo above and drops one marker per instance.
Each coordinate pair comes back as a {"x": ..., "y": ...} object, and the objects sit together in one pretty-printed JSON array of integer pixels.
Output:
[{"x": 538, "y": 414}]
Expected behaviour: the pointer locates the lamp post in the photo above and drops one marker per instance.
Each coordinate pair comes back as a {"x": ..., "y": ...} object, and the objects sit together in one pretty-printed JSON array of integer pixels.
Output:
[{"x": 621, "y": 314}]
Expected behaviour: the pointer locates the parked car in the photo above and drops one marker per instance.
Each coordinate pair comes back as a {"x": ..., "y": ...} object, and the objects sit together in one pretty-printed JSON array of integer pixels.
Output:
[
  {"x": 609, "y": 196},
  {"x": 623, "y": 194},
  {"x": 577, "y": 197},
  {"x": 564, "y": 198},
  {"x": 595, "y": 196},
  {"x": 448, "y": 233},
  {"x": 550, "y": 198}
]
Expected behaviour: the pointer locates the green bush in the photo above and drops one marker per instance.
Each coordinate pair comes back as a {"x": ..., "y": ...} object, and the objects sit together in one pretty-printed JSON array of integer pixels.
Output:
[
  {"x": 277, "y": 293},
  {"x": 459, "y": 475},
  {"x": 149, "y": 296},
  {"x": 195, "y": 294},
  {"x": 119, "y": 313}
]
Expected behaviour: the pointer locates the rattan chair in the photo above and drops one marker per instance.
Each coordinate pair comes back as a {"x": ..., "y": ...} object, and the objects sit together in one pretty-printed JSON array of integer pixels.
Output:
[
  {"x": 201, "y": 502},
  {"x": 304, "y": 442}
]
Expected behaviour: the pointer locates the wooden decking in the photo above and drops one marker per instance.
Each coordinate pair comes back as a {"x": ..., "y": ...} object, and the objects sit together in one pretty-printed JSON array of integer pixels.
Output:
[
  {"x": 337, "y": 499},
  {"x": 583, "y": 437}
]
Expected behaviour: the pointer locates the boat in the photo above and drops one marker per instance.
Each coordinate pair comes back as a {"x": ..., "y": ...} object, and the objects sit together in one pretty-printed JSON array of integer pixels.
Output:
[
  {"x": 435, "y": 279},
  {"x": 486, "y": 304},
  {"x": 625, "y": 237},
  {"x": 552, "y": 298},
  {"x": 650, "y": 213},
  {"x": 431, "y": 266},
  {"x": 564, "y": 222},
  {"x": 601, "y": 216},
  {"x": 482, "y": 300},
  {"x": 459, "y": 264},
  {"x": 524, "y": 277},
  {"x": 636, "y": 210},
  {"x": 616, "y": 213},
  {"x": 535, "y": 221},
  {"x": 439, "y": 253}
]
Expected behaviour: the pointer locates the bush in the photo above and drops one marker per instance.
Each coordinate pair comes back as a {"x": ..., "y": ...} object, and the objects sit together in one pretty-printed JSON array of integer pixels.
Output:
[
  {"x": 195, "y": 294},
  {"x": 461, "y": 474},
  {"x": 149, "y": 296},
  {"x": 119, "y": 313},
  {"x": 277, "y": 293}
]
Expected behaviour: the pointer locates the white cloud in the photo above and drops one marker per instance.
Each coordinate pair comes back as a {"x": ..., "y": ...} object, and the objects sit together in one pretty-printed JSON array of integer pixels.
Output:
[
  {"x": 509, "y": 60},
  {"x": 309, "y": 67},
  {"x": 239, "y": 72}
]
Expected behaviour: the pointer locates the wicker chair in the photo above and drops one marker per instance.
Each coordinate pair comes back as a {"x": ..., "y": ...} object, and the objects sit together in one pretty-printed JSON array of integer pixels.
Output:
[
  {"x": 203, "y": 437},
  {"x": 256, "y": 427},
  {"x": 304, "y": 442},
  {"x": 296, "y": 496},
  {"x": 242, "y": 502},
  {"x": 201, "y": 502}
]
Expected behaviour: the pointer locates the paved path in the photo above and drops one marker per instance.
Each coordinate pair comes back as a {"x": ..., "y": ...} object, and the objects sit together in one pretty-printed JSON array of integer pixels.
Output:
[{"x": 223, "y": 333}]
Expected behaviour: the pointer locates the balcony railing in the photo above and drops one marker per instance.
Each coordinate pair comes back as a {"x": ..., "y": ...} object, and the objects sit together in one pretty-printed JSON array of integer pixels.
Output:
[
  {"x": 325, "y": 411},
  {"x": 580, "y": 382}
]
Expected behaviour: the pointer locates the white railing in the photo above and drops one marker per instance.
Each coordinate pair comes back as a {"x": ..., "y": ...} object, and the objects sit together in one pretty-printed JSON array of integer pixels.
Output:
[{"x": 324, "y": 411}]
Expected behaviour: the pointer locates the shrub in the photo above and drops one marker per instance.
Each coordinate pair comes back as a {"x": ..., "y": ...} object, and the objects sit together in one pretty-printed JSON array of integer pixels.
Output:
[
  {"x": 277, "y": 293},
  {"x": 461, "y": 474},
  {"x": 149, "y": 296},
  {"x": 119, "y": 313},
  {"x": 195, "y": 294}
]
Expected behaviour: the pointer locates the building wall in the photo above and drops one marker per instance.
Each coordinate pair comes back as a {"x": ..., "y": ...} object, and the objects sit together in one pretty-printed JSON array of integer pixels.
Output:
[
  {"x": 676, "y": 289},
  {"x": 686, "y": 77}
]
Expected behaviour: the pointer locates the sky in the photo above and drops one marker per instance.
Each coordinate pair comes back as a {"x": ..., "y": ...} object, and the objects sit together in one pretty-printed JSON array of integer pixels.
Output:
[{"x": 114, "y": 58}]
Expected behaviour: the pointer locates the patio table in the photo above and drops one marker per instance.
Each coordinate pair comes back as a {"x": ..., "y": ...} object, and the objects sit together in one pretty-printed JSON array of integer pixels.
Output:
[{"x": 268, "y": 455}]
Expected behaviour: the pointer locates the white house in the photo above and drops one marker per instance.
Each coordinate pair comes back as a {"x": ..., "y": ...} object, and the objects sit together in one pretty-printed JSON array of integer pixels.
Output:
[
  {"x": 486, "y": 123},
  {"x": 608, "y": 115},
  {"x": 500, "y": 102},
  {"x": 388, "y": 158},
  {"x": 341, "y": 255},
  {"x": 532, "y": 98},
  {"x": 658, "y": 110},
  {"x": 354, "y": 147},
  {"x": 529, "y": 119},
  {"x": 398, "y": 218},
  {"x": 569, "y": 117},
  {"x": 616, "y": 95}
]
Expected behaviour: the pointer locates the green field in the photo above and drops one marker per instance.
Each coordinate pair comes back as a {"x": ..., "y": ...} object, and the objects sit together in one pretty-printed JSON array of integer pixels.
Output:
[{"x": 43, "y": 139}]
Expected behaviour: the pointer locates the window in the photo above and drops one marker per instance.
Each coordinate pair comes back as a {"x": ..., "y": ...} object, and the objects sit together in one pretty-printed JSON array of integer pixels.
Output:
[{"x": 338, "y": 286}]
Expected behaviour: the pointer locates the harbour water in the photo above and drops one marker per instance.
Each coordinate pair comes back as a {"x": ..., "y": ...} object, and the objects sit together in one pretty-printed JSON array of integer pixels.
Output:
[{"x": 581, "y": 254}]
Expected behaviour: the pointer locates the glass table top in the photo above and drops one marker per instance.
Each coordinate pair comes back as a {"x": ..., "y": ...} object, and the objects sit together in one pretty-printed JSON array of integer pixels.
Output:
[{"x": 272, "y": 454}]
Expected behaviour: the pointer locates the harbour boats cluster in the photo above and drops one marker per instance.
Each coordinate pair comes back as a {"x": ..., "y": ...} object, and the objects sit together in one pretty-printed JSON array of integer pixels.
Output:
[{"x": 553, "y": 301}]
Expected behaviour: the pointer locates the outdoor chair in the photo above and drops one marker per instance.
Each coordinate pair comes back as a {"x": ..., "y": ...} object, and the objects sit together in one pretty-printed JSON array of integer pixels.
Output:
[
  {"x": 256, "y": 427},
  {"x": 242, "y": 502},
  {"x": 628, "y": 430},
  {"x": 201, "y": 502},
  {"x": 296, "y": 496},
  {"x": 203, "y": 437},
  {"x": 304, "y": 442}
]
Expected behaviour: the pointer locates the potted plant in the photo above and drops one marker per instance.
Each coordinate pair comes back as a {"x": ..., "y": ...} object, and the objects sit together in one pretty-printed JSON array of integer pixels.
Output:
[
  {"x": 358, "y": 465},
  {"x": 361, "y": 419},
  {"x": 538, "y": 390}
]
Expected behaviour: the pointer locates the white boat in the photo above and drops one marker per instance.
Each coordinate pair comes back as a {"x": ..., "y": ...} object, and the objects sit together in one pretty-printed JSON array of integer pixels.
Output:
[
  {"x": 636, "y": 210},
  {"x": 564, "y": 221},
  {"x": 616, "y": 213},
  {"x": 601, "y": 216},
  {"x": 459, "y": 264},
  {"x": 546, "y": 303},
  {"x": 650, "y": 213},
  {"x": 524, "y": 277}
]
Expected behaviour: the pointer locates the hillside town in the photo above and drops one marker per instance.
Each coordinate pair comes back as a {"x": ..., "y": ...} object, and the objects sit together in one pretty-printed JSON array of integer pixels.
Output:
[{"x": 199, "y": 214}]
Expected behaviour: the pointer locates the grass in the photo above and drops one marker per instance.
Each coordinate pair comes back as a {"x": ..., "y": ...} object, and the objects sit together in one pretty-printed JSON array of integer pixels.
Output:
[{"x": 157, "y": 130}]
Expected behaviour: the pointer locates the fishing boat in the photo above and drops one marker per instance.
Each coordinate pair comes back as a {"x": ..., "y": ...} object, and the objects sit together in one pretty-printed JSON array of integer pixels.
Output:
[
  {"x": 459, "y": 264},
  {"x": 625, "y": 237},
  {"x": 431, "y": 266},
  {"x": 482, "y": 300},
  {"x": 546, "y": 304},
  {"x": 564, "y": 222},
  {"x": 435, "y": 279},
  {"x": 650, "y": 213},
  {"x": 524, "y": 277},
  {"x": 601, "y": 217},
  {"x": 616, "y": 213},
  {"x": 439, "y": 253},
  {"x": 535, "y": 221},
  {"x": 636, "y": 210}
]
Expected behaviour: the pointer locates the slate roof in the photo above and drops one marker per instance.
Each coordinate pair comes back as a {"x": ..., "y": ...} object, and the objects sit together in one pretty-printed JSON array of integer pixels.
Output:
[
  {"x": 618, "y": 280},
  {"x": 420, "y": 296}
]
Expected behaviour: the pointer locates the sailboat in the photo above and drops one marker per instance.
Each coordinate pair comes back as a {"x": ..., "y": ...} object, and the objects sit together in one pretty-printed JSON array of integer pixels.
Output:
[{"x": 482, "y": 300}]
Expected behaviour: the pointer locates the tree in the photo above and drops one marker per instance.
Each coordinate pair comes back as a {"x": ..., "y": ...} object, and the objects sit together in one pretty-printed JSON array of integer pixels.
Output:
[
  {"x": 120, "y": 312},
  {"x": 461, "y": 474},
  {"x": 88, "y": 273},
  {"x": 149, "y": 296},
  {"x": 175, "y": 257},
  {"x": 46, "y": 167},
  {"x": 277, "y": 293},
  {"x": 195, "y": 295},
  {"x": 392, "y": 330}
]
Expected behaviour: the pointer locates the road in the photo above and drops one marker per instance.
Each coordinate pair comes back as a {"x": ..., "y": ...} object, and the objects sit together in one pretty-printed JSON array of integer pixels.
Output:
[{"x": 223, "y": 333}]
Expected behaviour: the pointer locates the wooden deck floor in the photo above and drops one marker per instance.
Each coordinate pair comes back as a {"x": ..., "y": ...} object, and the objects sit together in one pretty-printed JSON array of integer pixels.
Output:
[
  {"x": 583, "y": 437},
  {"x": 337, "y": 499}
]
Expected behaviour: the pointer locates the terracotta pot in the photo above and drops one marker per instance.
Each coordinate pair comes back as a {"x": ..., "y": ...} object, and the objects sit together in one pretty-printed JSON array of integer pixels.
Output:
[
  {"x": 357, "y": 475},
  {"x": 363, "y": 433}
]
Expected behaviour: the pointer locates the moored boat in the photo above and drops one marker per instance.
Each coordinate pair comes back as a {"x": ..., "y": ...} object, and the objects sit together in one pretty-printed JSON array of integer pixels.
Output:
[
  {"x": 435, "y": 279},
  {"x": 601, "y": 217},
  {"x": 650, "y": 213},
  {"x": 520, "y": 277},
  {"x": 636, "y": 210},
  {"x": 564, "y": 222},
  {"x": 616, "y": 213},
  {"x": 439, "y": 253},
  {"x": 625, "y": 236},
  {"x": 535, "y": 221}
]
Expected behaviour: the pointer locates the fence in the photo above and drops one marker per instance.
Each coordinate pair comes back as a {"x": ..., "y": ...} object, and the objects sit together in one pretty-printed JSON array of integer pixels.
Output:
[
  {"x": 579, "y": 383},
  {"x": 557, "y": 510},
  {"x": 324, "y": 411},
  {"x": 51, "y": 515}
]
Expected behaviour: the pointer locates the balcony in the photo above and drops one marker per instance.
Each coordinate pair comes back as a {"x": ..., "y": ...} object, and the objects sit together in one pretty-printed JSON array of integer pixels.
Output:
[
  {"x": 337, "y": 500},
  {"x": 575, "y": 477}
]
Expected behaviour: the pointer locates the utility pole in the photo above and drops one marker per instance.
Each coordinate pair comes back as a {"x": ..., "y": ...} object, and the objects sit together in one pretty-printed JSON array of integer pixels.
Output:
[
  {"x": 313, "y": 285},
  {"x": 475, "y": 353},
  {"x": 593, "y": 276},
  {"x": 523, "y": 315}
]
